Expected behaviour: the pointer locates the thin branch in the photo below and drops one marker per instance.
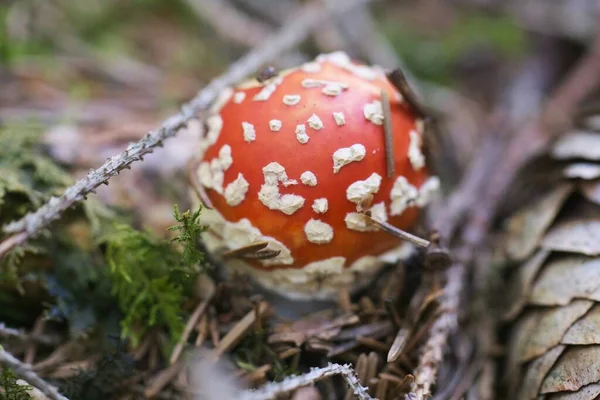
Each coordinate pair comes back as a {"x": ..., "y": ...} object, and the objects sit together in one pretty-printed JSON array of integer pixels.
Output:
[
  {"x": 20, "y": 334},
  {"x": 11, "y": 242},
  {"x": 272, "y": 390},
  {"x": 293, "y": 32},
  {"x": 432, "y": 353},
  {"x": 24, "y": 372}
]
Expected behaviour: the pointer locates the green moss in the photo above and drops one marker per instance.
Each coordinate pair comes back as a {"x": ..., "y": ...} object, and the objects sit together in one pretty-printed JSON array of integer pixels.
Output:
[
  {"x": 10, "y": 389},
  {"x": 149, "y": 276},
  {"x": 27, "y": 179},
  {"x": 189, "y": 228},
  {"x": 91, "y": 262}
]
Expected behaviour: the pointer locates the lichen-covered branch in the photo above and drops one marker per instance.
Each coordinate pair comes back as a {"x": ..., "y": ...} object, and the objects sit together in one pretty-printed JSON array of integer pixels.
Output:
[
  {"x": 294, "y": 31},
  {"x": 432, "y": 352},
  {"x": 272, "y": 390},
  {"x": 24, "y": 372}
]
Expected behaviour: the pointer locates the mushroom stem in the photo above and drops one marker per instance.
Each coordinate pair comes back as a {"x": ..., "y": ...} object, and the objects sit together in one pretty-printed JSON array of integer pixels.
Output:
[
  {"x": 389, "y": 137},
  {"x": 391, "y": 229}
]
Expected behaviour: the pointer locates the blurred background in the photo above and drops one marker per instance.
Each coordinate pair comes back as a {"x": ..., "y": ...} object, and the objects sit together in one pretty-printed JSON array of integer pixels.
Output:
[
  {"x": 85, "y": 78},
  {"x": 95, "y": 75}
]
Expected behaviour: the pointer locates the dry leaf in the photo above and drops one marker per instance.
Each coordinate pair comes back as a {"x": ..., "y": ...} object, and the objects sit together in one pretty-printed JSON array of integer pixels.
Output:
[
  {"x": 589, "y": 392},
  {"x": 564, "y": 279},
  {"x": 522, "y": 283},
  {"x": 580, "y": 144},
  {"x": 536, "y": 372},
  {"x": 543, "y": 329},
  {"x": 527, "y": 227},
  {"x": 577, "y": 367},
  {"x": 586, "y": 330},
  {"x": 575, "y": 235},
  {"x": 554, "y": 348}
]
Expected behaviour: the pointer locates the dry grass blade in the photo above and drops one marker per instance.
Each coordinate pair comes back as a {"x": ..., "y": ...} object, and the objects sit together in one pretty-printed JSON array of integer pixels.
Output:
[
  {"x": 389, "y": 134},
  {"x": 397, "y": 78},
  {"x": 382, "y": 388},
  {"x": 375, "y": 329},
  {"x": 398, "y": 344},
  {"x": 251, "y": 248},
  {"x": 162, "y": 379},
  {"x": 399, "y": 233},
  {"x": 372, "y": 343},
  {"x": 56, "y": 357},
  {"x": 71, "y": 369},
  {"x": 236, "y": 333},
  {"x": 262, "y": 255},
  {"x": 191, "y": 323},
  {"x": 257, "y": 376},
  {"x": 202, "y": 329}
]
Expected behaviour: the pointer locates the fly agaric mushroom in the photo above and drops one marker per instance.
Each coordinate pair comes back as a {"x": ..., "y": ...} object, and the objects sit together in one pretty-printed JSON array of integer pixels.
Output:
[{"x": 293, "y": 168}]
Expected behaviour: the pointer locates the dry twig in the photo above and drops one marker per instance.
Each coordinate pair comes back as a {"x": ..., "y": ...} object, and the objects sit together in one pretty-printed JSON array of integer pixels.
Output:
[
  {"x": 162, "y": 379},
  {"x": 46, "y": 339},
  {"x": 432, "y": 352},
  {"x": 24, "y": 372},
  {"x": 38, "y": 329},
  {"x": 293, "y": 32},
  {"x": 272, "y": 390},
  {"x": 239, "y": 330},
  {"x": 191, "y": 323}
]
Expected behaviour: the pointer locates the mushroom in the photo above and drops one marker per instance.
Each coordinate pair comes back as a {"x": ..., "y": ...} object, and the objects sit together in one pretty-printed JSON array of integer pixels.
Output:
[{"x": 294, "y": 167}]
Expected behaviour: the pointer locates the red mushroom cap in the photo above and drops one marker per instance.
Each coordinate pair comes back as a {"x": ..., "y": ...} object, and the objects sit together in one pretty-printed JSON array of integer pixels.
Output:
[{"x": 294, "y": 161}]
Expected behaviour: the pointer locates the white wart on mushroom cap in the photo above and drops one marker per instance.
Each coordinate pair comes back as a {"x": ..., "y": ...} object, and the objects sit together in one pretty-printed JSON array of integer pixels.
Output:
[{"x": 304, "y": 156}]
